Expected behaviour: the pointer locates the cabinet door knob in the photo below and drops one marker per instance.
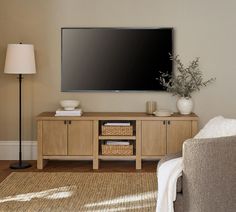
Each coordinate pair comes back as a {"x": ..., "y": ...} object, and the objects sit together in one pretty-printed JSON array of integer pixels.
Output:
[
  {"x": 164, "y": 122},
  {"x": 69, "y": 121},
  {"x": 168, "y": 122},
  {"x": 65, "y": 122}
]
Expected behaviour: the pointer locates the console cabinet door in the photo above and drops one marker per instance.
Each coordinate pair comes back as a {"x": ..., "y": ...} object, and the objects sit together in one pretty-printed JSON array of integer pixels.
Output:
[
  {"x": 80, "y": 138},
  {"x": 153, "y": 138},
  {"x": 177, "y": 133},
  {"x": 54, "y": 138}
]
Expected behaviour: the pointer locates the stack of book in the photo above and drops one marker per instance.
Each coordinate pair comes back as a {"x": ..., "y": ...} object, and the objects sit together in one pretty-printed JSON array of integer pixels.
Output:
[
  {"x": 122, "y": 143},
  {"x": 76, "y": 112},
  {"x": 117, "y": 124}
]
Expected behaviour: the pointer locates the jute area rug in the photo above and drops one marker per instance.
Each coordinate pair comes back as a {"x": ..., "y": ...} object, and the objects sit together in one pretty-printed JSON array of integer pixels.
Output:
[{"x": 70, "y": 191}]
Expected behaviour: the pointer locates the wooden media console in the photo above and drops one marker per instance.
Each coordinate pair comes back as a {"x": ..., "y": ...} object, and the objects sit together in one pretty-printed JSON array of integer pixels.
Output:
[{"x": 80, "y": 138}]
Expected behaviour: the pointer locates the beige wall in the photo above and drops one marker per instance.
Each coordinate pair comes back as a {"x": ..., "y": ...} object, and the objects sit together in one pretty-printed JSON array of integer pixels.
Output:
[{"x": 204, "y": 28}]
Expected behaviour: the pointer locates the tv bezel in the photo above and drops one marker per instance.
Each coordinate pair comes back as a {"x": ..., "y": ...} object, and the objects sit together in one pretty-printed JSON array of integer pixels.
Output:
[{"x": 113, "y": 90}]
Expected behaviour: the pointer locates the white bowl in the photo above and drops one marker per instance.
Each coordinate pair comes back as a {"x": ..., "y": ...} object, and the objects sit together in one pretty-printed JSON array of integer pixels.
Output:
[
  {"x": 163, "y": 113},
  {"x": 69, "y": 104}
]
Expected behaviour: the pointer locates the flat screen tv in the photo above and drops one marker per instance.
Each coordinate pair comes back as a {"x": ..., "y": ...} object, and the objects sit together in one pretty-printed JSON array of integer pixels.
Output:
[{"x": 114, "y": 59}]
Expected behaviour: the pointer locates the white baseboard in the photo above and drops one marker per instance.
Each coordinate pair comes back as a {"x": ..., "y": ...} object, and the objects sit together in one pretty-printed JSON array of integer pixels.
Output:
[{"x": 9, "y": 150}]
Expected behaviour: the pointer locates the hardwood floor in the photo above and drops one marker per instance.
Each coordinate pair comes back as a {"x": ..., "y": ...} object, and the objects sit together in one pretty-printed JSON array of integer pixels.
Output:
[{"x": 80, "y": 166}]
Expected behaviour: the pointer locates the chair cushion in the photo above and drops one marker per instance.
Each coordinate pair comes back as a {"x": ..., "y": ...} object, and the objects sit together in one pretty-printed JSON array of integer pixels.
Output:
[{"x": 218, "y": 127}]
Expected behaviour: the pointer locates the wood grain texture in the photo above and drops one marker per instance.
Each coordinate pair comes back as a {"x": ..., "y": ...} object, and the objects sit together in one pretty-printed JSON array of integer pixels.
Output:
[
  {"x": 103, "y": 137},
  {"x": 95, "y": 145},
  {"x": 194, "y": 128},
  {"x": 122, "y": 158},
  {"x": 149, "y": 158},
  {"x": 115, "y": 116},
  {"x": 153, "y": 138},
  {"x": 54, "y": 138},
  {"x": 177, "y": 133},
  {"x": 40, "y": 144},
  {"x": 68, "y": 157},
  {"x": 138, "y": 145},
  {"x": 80, "y": 138}
]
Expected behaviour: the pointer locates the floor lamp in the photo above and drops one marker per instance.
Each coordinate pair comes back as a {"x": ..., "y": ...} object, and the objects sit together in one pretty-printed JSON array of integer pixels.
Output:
[{"x": 20, "y": 60}]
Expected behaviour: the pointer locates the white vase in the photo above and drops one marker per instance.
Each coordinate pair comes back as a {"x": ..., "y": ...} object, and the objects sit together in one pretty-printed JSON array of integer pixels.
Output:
[{"x": 185, "y": 105}]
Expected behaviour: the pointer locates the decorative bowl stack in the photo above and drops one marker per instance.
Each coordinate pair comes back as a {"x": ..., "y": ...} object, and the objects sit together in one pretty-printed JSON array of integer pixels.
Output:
[
  {"x": 69, "y": 104},
  {"x": 69, "y": 108}
]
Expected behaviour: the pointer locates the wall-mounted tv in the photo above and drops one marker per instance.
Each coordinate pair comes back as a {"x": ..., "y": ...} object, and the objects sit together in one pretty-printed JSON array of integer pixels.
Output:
[{"x": 114, "y": 59}]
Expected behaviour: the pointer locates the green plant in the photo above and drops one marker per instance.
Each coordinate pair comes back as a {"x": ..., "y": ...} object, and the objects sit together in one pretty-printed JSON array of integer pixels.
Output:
[{"x": 186, "y": 80}]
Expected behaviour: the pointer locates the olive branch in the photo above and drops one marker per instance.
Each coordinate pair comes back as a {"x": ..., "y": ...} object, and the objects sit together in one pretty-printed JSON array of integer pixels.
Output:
[{"x": 186, "y": 80}]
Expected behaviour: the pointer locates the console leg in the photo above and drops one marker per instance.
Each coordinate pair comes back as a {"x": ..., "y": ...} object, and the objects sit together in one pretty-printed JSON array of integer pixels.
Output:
[{"x": 95, "y": 163}]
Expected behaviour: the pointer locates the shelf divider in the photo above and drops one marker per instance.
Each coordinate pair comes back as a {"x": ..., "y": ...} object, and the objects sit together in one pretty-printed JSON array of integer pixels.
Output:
[
  {"x": 103, "y": 137},
  {"x": 108, "y": 157}
]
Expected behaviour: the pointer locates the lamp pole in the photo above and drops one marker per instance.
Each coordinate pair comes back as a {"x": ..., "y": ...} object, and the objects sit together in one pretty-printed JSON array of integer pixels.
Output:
[
  {"x": 20, "y": 139},
  {"x": 20, "y": 164}
]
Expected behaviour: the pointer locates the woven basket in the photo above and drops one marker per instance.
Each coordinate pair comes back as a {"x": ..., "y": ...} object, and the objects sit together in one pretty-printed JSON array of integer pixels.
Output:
[
  {"x": 117, "y": 130},
  {"x": 117, "y": 150}
]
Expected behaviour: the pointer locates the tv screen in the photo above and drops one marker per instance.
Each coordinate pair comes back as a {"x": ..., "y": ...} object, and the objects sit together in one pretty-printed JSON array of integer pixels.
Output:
[{"x": 114, "y": 59}]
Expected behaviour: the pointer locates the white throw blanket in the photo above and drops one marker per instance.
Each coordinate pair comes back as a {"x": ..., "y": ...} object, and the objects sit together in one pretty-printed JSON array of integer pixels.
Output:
[{"x": 168, "y": 174}]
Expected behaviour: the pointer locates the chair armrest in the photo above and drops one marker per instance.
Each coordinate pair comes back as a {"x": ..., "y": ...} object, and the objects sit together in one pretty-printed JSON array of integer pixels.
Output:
[
  {"x": 168, "y": 157},
  {"x": 209, "y": 175}
]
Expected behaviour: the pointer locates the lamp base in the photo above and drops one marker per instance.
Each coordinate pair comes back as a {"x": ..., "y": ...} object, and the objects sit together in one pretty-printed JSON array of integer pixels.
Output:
[{"x": 18, "y": 165}]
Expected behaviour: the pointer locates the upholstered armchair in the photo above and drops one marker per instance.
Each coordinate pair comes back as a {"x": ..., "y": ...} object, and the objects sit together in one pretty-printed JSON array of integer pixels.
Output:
[{"x": 208, "y": 181}]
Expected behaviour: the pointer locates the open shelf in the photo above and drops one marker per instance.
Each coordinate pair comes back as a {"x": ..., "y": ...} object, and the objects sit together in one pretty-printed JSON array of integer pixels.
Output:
[
  {"x": 132, "y": 124},
  {"x": 125, "y": 137}
]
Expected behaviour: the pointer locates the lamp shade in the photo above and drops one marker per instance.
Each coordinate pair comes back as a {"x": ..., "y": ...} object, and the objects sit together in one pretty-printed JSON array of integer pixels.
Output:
[{"x": 20, "y": 59}]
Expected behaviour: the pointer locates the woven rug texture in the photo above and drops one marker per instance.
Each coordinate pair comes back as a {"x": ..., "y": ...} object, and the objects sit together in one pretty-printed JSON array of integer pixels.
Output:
[{"x": 85, "y": 192}]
